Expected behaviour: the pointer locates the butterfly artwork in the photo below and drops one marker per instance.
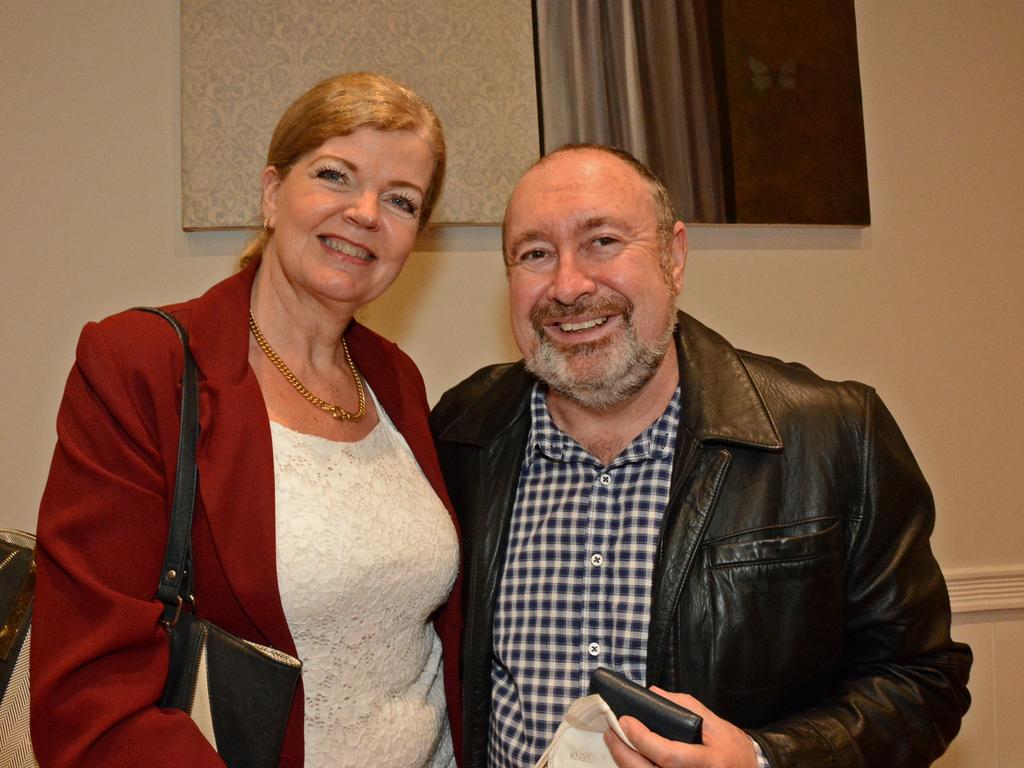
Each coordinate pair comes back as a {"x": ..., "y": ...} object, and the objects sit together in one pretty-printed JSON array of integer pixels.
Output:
[{"x": 764, "y": 77}]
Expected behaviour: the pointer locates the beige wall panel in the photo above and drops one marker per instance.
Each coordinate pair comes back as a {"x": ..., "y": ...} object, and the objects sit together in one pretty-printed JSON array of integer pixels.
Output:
[
  {"x": 244, "y": 61},
  {"x": 1008, "y": 650}
]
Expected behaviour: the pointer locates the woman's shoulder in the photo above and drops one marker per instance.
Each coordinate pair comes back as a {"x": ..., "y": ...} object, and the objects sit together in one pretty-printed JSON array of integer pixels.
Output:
[
  {"x": 134, "y": 359},
  {"x": 134, "y": 338},
  {"x": 127, "y": 372},
  {"x": 140, "y": 339}
]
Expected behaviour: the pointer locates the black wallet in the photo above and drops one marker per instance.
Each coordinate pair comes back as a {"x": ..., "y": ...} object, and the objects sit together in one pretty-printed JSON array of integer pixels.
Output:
[{"x": 664, "y": 717}]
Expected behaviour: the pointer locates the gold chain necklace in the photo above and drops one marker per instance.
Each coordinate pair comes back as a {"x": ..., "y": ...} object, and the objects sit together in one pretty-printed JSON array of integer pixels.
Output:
[{"x": 336, "y": 411}]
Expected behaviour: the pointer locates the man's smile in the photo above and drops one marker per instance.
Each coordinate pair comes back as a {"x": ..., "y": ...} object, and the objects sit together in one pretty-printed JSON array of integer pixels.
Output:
[{"x": 582, "y": 325}]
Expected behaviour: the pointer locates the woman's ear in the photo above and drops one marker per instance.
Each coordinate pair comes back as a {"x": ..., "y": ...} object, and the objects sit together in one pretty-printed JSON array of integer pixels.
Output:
[{"x": 270, "y": 180}]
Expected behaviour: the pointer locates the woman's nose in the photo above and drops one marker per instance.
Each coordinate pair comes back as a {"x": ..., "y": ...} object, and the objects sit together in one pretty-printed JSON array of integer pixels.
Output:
[{"x": 364, "y": 210}]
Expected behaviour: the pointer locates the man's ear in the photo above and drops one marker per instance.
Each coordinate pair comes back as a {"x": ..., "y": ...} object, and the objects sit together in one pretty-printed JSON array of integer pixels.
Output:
[
  {"x": 270, "y": 180},
  {"x": 678, "y": 249}
]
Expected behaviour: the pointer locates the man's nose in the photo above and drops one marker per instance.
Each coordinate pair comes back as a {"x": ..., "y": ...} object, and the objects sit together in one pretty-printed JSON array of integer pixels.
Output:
[{"x": 572, "y": 278}]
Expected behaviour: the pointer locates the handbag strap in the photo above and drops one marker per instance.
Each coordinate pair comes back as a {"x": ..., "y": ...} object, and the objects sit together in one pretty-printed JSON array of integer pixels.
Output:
[{"x": 175, "y": 586}]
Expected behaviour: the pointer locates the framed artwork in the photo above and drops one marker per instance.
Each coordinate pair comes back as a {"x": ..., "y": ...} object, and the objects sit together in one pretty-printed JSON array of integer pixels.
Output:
[{"x": 748, "y": 110}]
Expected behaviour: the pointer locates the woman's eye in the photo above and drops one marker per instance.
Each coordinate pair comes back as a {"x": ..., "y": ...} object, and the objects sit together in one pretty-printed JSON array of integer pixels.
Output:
[
  {"x": 332, "y": 175},
  {"x": 404, "y": 203}
]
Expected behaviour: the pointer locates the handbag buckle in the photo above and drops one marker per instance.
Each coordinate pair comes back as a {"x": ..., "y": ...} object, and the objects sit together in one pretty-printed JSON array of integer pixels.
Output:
[{"x": 177, "y": 612}]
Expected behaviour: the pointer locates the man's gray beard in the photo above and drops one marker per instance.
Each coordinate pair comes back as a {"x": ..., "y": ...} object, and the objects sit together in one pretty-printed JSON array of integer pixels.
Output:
[{"x": 626, "y": 365}]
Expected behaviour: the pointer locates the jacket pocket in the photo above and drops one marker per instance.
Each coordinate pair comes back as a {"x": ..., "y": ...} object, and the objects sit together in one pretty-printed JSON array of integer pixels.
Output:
[{"x": 776, "y": 603}]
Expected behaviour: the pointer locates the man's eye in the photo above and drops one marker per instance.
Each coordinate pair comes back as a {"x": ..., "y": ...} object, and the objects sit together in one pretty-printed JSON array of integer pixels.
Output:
[
  {"x": 535, "y": 260},
  {"x": 533, "y": 256},
  {"x": 605, "y": 240},
  {"x": 404, "y": 203}
]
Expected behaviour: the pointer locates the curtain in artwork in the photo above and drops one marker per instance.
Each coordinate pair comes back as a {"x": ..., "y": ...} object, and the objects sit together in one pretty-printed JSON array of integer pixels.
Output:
[{"x": 636, "y": 74}]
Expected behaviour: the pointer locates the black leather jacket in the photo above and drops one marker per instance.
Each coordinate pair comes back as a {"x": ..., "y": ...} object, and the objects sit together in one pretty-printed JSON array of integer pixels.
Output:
[{"x": 795, "y": 592}]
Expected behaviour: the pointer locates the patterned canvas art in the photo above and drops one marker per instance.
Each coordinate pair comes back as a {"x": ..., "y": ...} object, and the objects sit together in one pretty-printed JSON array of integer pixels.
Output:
[{"x": 243, "y": 61}]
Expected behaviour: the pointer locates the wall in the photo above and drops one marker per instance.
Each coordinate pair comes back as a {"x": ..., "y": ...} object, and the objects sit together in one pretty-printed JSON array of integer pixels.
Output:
[{"x": 924, "y": 304}]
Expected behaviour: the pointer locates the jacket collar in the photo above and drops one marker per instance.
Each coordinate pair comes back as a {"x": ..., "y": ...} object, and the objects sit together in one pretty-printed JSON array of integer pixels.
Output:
[
  {"x": 721, "y": 402},
  {"x": 221, "y": 350},
  {"x": 720, "y": 399},
  {"x": 504, "y": 403}
]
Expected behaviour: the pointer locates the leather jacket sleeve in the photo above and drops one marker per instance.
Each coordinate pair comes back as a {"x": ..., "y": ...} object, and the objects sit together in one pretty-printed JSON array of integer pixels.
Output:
[{"x": 903, "y": 681}]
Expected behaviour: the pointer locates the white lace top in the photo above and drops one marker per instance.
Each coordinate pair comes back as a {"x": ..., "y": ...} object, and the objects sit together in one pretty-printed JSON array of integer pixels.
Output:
[{"x": 365, "y": 553}]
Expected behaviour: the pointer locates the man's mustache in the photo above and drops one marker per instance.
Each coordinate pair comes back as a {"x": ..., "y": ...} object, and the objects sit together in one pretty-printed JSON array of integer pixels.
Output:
[{"x": 555, "y": 311}]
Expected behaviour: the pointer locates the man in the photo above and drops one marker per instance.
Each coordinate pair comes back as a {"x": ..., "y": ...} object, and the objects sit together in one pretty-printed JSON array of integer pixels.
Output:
[{"x": 640, "y": 495}]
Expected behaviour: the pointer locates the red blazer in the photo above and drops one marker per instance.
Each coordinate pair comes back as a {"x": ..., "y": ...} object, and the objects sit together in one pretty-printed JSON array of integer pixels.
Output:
[{"x": 99, "y": 658}]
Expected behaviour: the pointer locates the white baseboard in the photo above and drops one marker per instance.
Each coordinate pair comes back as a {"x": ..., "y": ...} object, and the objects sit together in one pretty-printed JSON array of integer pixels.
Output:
[{"x": 986, "y": 589}]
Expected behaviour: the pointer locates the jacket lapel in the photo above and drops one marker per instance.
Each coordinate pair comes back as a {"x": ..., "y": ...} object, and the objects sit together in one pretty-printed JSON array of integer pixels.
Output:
[
  {"x": 689, "y": 512},
  {"x": 235, "y": 457},
  {"x": 399, "y": 389},
  {"x": 721, "y": 405}
]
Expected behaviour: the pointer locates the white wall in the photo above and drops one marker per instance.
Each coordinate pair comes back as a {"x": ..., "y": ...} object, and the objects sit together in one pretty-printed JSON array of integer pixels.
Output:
[{"x": 924, "y": 304}]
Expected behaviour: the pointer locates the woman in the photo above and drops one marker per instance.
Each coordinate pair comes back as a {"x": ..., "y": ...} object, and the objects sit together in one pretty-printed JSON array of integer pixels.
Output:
[{"x": 321, "y": 526}]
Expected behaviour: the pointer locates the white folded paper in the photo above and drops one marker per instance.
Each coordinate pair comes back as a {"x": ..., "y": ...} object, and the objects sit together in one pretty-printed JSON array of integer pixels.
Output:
[{"x": 579, "y": 739}]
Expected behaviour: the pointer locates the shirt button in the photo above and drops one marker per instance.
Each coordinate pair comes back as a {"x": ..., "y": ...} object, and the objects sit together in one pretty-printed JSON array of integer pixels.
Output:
[
  {"x": 594, "y": 649},
  {"x": 605, "y": 479},
  {"x": 597, "y": 559}
]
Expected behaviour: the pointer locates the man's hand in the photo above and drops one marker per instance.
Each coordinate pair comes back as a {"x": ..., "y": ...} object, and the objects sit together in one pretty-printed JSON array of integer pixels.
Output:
[{"x": 725, "y": 745}]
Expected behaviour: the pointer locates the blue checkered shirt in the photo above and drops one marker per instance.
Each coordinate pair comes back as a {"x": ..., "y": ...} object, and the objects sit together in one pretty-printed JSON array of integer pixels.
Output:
[{"x": 576, "y": 588}]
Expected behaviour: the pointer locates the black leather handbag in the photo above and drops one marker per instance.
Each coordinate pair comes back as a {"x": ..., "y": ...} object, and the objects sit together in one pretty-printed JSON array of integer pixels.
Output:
[{"x": 238, "y": 692}]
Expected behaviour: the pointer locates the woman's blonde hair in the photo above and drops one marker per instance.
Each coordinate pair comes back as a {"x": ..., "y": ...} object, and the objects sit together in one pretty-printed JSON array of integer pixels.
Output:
[{"x": 340, "y": 105}]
